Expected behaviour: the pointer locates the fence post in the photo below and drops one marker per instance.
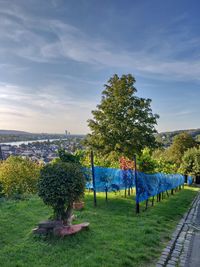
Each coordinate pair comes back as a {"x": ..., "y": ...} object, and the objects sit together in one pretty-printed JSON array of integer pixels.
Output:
[
  {"x": 147, "y": 201},
  {"x": 93, "y": 177},
  {"x": 152, "y": 203},
  {"x": 106, "y": 189},
  {"x": 136, "y": 185},
  {"x": 129, "y": 191}
]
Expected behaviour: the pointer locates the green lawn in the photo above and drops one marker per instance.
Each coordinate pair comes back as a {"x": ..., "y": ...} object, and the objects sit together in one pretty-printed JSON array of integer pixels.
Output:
[{"x": 117, "y": 237}]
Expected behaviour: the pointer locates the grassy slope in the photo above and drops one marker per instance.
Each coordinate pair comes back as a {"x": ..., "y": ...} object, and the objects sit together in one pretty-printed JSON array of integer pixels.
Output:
[{"x": 117, "y": 237}]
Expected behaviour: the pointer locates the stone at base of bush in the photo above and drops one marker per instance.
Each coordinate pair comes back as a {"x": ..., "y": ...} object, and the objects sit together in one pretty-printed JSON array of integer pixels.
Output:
[
  {"x": 58, "y": 229},
  {"x": 70, "y": 230},
  {"x": 40, "y": 231},
  {"x": 47, "y": 227},
  {"x": 50, "y": 224}
]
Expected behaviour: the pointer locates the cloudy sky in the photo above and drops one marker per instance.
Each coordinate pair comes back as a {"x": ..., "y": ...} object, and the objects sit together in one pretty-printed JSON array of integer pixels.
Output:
[{"x": 55, "y": 56}]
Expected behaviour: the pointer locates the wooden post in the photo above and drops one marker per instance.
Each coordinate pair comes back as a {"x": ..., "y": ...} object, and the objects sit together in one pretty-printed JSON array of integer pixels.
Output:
[
  {"x": 152, "y": 203},
  {"x": 93, "y": 177},
  {"x": 125, "y": 192},
  {"x": 106, "y": 193},
  {"x": 129, "y": 191},
  {"x": 125, "y": 181},
  {"x": 136, "y": 185},
  {"x": 146, "y": 204}
]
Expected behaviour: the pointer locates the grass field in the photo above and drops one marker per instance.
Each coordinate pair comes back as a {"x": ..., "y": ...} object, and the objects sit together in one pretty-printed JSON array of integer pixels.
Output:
[{"x": 117, "y": 237}]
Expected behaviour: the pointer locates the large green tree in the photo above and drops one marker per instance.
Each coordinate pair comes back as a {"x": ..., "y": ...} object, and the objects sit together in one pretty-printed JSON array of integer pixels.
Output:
[
  {"x": 191, "y": 162},
  {"x": 181, "y": 143},
  {"x": 170, "y": 159},
  {"x": 163, "y": 162},
  {"x": 123, "y": 122}
]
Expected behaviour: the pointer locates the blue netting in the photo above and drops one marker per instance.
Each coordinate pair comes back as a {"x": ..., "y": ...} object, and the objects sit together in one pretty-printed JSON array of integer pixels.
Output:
[
  {"x": 109, "y": 179},
  {"x": 148, "y": 185},
  {"x": 189, "y": 180}
]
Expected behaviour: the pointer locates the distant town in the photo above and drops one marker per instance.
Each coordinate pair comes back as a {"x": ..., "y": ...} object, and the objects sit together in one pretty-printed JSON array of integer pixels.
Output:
[{"x": 41, "y": 150}]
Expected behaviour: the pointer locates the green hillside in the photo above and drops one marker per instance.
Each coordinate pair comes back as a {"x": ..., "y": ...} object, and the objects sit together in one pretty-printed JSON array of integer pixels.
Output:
[{"x": 167, "y": 137}]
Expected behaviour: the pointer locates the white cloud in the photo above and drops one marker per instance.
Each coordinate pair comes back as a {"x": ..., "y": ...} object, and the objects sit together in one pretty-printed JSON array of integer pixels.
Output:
[
  {"x": 42, "y": 39},
  {"x": 48, "y": 108},
  {"x": 65, "y": 41}
]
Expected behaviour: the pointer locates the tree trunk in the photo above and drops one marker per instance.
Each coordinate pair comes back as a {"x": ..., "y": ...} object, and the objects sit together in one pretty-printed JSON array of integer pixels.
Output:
[
  {"x": 68, "y": 215},
  {"x": 59, "y": 211}
]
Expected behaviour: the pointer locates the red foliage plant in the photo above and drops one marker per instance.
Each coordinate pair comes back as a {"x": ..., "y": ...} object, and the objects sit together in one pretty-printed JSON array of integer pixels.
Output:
[{"x": 126, "y": 164}]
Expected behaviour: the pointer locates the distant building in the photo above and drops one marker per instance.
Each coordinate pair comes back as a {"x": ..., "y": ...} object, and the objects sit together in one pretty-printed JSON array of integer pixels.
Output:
[
  {"x": 67, "y": 133},
  {"x": 5, "y": 147},
  {"x": 1, "y": 154}
]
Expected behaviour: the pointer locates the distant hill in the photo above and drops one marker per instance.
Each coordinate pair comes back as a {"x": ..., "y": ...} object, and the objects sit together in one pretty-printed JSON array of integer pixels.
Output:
[
  {"x": 16, "y": 136},
  {"x": 167, "y": 137},
  {"x": 13, "y": 132}
]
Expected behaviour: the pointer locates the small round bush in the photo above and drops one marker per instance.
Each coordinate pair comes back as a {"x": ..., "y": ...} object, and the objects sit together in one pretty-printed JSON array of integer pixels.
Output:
[
  {"x": 60, "y": 184},
  {"x": 18, "y": 176}
]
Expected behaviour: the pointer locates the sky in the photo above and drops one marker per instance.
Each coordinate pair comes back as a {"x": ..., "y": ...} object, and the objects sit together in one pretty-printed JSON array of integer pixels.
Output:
[{"x": 56, "y": 56}]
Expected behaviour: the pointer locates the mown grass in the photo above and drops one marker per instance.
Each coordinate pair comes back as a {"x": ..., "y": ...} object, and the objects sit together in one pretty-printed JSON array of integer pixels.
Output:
[{"x": 117, "y": 236}]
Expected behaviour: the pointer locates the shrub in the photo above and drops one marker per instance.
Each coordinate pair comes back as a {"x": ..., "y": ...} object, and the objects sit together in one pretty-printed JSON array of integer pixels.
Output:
[
  {"x": 18, "y": 176},
  {"x": 60, "y": 184},
  {"x": 65, "y": 156}
]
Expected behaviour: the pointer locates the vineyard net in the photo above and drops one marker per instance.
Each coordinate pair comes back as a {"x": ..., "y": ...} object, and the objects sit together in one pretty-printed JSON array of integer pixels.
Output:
[
  {"x": 110, "y": 179},
  {"x": 148, "y": 185},
  {"x": 189, "y": 180}
]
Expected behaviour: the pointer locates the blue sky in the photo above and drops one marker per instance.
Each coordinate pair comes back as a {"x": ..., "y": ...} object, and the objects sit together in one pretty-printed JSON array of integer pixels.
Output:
[{"x": 55, "y": 56}]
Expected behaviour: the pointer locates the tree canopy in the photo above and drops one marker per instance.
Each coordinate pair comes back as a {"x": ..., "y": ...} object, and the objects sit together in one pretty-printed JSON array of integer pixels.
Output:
[
  {"x": 146, "y": 163},
  {"x": 181, "y": 143},
  {"x": 123, "y": 122},
  {"x": 170, "y": 159},
  {"x": 65, "y": 156},
  {"x": 191, "y": 162},
  {"x": 18, "y": 176}
]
